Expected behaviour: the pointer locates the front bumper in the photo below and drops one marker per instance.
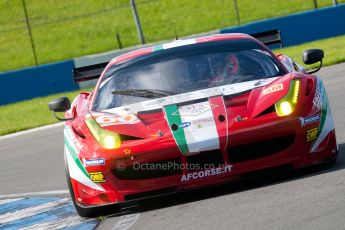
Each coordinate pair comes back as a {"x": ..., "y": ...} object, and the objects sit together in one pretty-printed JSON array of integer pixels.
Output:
[{"x": 269, "y": 142}]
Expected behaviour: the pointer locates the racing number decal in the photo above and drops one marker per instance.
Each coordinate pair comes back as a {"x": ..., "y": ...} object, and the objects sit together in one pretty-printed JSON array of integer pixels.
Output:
[{"x": 116, "y": 120}]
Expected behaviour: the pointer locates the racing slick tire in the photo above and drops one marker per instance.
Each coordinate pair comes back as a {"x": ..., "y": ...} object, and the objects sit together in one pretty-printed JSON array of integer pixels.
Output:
[
  {"x": 90, "y": 211},
  {"x": 83, "y": 212}
]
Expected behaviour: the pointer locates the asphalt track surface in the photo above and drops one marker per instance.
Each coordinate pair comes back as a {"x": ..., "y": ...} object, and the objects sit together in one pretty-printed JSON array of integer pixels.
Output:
[{"x": 308, "y": 199}]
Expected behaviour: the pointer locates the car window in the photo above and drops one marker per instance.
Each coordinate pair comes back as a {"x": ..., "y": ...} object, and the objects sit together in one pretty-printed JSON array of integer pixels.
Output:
[{"x": 185, "y": 72}]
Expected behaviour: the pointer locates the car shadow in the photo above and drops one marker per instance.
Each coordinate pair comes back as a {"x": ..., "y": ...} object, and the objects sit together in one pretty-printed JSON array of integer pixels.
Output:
[{"x": 182, "y": 197}]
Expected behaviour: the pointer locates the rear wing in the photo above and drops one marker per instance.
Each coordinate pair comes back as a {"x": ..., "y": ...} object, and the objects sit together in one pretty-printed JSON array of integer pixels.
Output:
[
  {"x": 89, "y": 72},
  {"x": 270, "y": 37}
]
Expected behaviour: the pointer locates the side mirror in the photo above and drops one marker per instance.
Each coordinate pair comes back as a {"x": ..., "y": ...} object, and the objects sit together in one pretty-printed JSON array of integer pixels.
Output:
[
  {"x": 61, "y": 104},
  {"x": 313, "y": 56}
]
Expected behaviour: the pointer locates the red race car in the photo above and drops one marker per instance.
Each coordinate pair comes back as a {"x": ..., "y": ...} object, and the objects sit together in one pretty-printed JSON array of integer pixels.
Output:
[{"x": 192, "y": 113}]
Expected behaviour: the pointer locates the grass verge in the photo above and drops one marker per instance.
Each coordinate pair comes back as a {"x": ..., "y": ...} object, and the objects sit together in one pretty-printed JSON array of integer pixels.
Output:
[
  {"x": 63, "y": 29},
  {"x": 29, "y": 114},
  {"x": 33, "y": 113},
  {"x": 333, "y": 48}
]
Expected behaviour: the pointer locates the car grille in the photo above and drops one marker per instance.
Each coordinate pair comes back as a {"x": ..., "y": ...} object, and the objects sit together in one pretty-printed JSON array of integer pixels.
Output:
[
  {"x": 153, "y": 170},
  {"x": 255, "y": 150},
  {"x": 213, "y": 158},
  {"x": 154, "y": 193}
]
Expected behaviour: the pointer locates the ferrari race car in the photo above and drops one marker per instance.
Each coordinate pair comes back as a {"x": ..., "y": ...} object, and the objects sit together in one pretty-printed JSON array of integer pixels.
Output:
[{"x": 189, "y": 114}]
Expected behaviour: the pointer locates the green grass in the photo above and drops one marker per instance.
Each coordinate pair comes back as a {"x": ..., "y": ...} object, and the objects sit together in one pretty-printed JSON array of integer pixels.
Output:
[
  {"x": 65, "y": 29},
  {"x": 333, "y": 48},
  {"x": 33, "y": 113},
  {"x": 29, "y": 114}
]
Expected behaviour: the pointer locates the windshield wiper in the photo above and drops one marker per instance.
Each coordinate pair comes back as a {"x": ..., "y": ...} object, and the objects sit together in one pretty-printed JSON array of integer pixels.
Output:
[{"x": 147, "y": 93}]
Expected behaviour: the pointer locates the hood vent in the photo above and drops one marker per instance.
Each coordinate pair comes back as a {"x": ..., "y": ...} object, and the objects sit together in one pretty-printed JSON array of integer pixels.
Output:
[
  {"x": 269, "y": 110},
  {"x": 129, "y": 138}
]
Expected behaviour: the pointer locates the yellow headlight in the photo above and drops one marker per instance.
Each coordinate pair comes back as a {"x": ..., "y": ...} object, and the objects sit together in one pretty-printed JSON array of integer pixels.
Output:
[
  {"x": 284, "y": 108},
  {"x": 107, "y": 139},
  {"x": 287, "y": 105},
  {"x": 109, "y": 142}
]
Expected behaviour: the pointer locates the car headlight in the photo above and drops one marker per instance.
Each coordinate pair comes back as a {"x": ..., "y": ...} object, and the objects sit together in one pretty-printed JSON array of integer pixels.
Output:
[
  {"x": 287, "y": 104},
  {"x": 107, "y": 139}
]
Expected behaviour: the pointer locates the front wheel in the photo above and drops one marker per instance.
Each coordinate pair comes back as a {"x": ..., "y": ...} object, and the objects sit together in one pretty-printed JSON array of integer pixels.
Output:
[{"x": 83, "y": 212}]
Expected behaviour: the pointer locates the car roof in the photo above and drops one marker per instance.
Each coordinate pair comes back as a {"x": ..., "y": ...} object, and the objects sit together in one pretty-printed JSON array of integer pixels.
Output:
[{"x": 178, "y": 43}]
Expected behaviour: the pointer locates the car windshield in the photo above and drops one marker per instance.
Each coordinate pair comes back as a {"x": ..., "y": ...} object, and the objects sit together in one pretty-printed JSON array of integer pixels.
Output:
[{"x": 184, "y": 69}]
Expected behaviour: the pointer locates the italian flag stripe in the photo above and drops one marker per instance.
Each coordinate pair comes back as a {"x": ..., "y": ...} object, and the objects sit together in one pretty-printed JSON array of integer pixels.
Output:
[
  {"x": 219, "y": 112},
  {"x": 326, "y": 121},
  {"x": 157, "y": 48},
  {"x": 194, "y": 127},
  {"x": 201, "y": 134},
  {"x": 323, "y": 109},
  {"x": 75, "y": 157},
  {"x": 75, "y": 167},
  {"x": 174, "y": 118}
]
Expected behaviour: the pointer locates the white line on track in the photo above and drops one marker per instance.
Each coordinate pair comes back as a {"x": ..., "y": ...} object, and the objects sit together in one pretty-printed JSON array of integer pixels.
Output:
[
  {"x": 25, "y": 132},
  {"x": 30, "y": 194},
  {"x": 125, "y": 222},
  {"x": 9, "y": 200},
  {"x": 31, "y": 211},
  {"x": 60, "y": 223}
]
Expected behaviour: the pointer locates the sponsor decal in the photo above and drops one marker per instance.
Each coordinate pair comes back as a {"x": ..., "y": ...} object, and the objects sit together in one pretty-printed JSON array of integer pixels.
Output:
[
  {"x": 326, "y": 119},
  {"x": 94, "y": 162},
  {"x": 116, "y": 120},
  {"x": 154, "y": 102},
  {"x": 194, "y": 109},
  {"x": 206, "y": 173},
  {"x": 317, "y": 100},
  {"x": 201, "y": 135},
  {"x": 185, "y": 125},
  {"x": 76, "y": 168},
  {"x": 273, "y": 88},
  {"x": 74, "y": 140},
  {"x": 312, "y": 134},
  {"x": 127, "y": 151},
  {"x": 203, "y": 123},
  {"x": 97, "y": 177},
  {"x": 228, "y": 90},
  {"x": 307, "y": 120},
  {"x": 225, "y": 90}
]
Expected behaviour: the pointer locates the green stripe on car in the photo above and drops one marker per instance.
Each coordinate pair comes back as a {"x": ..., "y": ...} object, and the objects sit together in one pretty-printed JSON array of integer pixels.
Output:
[
  {"x": 73, "y": 153},
  {"x": 174, "y": 121}
]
